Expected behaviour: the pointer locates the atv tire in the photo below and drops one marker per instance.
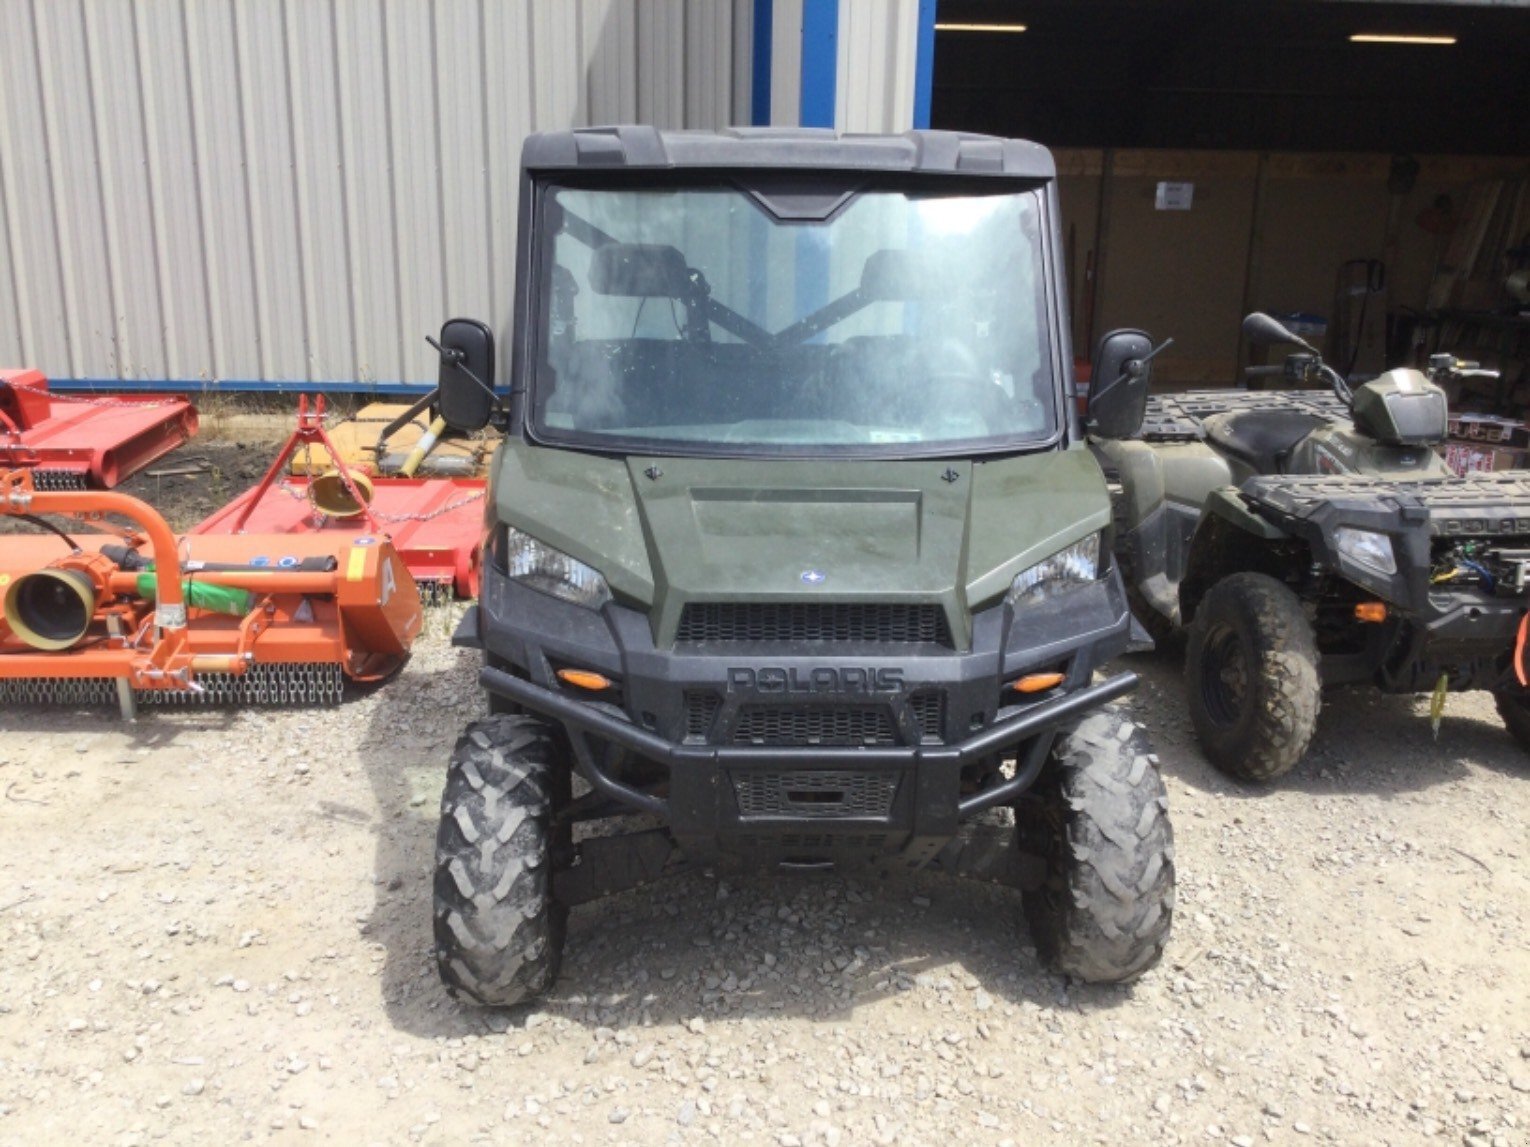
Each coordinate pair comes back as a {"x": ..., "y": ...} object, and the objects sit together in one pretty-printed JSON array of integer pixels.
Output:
[
  {"x": 1251, "y": 675},
  {"x": 499, "y": 932},
  {"x": 1104, "y": 912},
  {"x": 1514, "y": 708}
]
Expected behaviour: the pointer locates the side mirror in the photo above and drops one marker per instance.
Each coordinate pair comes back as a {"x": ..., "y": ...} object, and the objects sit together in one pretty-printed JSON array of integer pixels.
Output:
[
  {"x": 465, "y": 385},
  {"x": 1118, "y": 394},
  {"x": 1260, "y": 328}
]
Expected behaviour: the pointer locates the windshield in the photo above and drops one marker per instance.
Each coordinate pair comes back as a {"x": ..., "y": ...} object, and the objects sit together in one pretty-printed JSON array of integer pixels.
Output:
[{"x": 720, "y": 319}]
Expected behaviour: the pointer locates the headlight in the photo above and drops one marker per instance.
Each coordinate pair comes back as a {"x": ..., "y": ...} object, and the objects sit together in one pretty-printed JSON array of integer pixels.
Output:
[
  {"x": 550, "y": 571},
  {"x": 1077, "y": 565},
  {"x": 1366, "y": 548}
]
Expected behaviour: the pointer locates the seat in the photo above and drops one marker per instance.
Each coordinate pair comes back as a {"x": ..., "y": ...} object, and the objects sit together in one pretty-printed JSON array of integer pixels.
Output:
[{"x": 1261, "y": 438}]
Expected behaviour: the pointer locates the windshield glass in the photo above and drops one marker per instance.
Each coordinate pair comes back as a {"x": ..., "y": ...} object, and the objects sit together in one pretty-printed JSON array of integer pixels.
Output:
[{"x": 786, "y": 321}]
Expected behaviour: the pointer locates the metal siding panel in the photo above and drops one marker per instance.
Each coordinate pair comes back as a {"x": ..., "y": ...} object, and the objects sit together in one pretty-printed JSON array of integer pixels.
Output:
[
  {"x": 361, "y": 64},
  {"x": 266, "y": 104},
  {"x": 656, "y": 30},
  {"x": 223, "y": 190},
  {"x": 741, "y": 63},
  {"x": 32, "y": 263},
  {"x": 416, "y": 180},
  {"x": 786, "y": 63},
  {"x": 300, "y": 189},
  {"x": 12, "y": 349},
  {"x": 70, "y": 145},
  {"x": 127, "y": 196},
  {"x": 171, "y": 151},
  {"x": 559, "y": 63},
  {"x": 323, "y": 236},
  {"x": 877, "y": 61},
  {"x": 510, "y": 91},
  {"x": 464, "y": 171}
]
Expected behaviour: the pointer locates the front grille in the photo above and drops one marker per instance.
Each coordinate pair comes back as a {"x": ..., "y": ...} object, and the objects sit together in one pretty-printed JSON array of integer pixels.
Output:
[
  {"x": 806, "y": 725},
  {"x": 881, "y": 622},
  {"x": 700, "y": 711},
  {"x": 930, "y": 714},
  {"x": 814, "y": 793}
]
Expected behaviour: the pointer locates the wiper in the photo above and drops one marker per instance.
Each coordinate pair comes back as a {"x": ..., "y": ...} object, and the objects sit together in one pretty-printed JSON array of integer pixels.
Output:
[{"x": 701, "y": 297}]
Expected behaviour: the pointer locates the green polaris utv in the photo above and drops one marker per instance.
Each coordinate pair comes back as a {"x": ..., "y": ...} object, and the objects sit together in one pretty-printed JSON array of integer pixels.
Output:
[
  {"x": 1303, "y": 539},
  {"x": 796, "y": 556}
]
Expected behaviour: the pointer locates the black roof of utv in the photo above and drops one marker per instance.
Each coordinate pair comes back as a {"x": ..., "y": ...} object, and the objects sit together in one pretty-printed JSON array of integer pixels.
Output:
[{"x": 938, "y": 152}]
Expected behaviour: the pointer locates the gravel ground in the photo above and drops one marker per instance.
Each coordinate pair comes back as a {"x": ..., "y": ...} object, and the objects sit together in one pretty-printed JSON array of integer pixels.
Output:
[{"x": 216, "y": 926}]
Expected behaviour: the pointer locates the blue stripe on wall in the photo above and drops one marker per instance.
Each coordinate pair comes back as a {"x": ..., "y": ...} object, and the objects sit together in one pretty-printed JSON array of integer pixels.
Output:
[
  {"x": 759, "y": 96},
  {"x": 924, "y": 64},
  {"x": 233, "y": 386},
  {"x": 820, "y": 62}
]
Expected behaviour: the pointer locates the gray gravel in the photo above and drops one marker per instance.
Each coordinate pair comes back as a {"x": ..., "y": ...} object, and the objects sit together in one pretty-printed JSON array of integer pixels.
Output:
[{"x": 216, "y": 926}]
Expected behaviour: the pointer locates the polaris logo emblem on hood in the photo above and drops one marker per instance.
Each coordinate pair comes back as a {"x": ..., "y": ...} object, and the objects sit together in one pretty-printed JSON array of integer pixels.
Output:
[
  {"x": 814, "y": 577},
  {"x": 821, "y": 679}
]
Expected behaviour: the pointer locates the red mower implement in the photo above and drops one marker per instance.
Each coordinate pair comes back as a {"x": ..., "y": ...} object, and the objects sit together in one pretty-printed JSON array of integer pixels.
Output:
[
  {"x": 435, "y": 524},
  {"x": 82, "y": 441},
  {"x": 143, "y": 616}
]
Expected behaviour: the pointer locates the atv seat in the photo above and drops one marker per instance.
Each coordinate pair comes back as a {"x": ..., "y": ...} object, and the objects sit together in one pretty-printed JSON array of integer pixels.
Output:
[{"x": 1261, "y": 438}]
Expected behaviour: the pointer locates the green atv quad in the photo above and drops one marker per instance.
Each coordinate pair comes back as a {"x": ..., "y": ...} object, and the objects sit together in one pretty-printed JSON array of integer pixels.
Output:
[
  {"x": 1302, "y": 539},
  {"x": 795, "y": 547}
]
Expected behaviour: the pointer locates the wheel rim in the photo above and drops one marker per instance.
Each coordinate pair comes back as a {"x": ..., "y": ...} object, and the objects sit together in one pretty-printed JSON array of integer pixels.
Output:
[{"x": 1224, "y": 676}]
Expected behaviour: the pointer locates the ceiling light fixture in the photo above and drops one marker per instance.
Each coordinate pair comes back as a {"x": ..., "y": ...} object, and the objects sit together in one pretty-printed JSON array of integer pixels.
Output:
[
  {"x": 1388, "y": 38},
  {"x": 979, "y": 27}
]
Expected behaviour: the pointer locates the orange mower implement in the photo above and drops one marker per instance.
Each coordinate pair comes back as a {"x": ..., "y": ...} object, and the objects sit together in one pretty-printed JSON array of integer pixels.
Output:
[
  {"x": 435, "y": 524},
  {"x": 144, "y": 616},
  {"x": 79, "y": 441}
]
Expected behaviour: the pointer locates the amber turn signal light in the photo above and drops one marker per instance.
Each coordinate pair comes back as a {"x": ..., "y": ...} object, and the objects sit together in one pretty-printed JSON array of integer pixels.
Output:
[
  {"x": 585, "y": 679},
  {"x": 1371, "y": 611},
  {"x": 1037, "y": 682}
]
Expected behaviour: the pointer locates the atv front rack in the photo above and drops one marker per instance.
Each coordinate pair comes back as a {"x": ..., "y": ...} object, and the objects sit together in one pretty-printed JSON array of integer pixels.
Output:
[{"x": 1478, "y": 506}]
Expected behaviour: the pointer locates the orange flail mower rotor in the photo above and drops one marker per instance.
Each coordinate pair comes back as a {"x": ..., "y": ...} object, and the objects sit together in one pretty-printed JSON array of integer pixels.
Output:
[{"x": 89, "y": 616}]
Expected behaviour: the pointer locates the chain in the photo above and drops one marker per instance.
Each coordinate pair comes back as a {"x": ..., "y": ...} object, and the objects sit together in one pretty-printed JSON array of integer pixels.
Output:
[
  {"x": 446, "y": 509},
  {"x": 304, "y": 495},
  {"x": 92, "y": 400}
]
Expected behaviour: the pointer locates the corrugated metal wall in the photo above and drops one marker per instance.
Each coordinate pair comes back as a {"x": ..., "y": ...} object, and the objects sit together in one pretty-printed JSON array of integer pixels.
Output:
[
  {"x": 878, "y": 41},
  {"x": 301, "y": 190}
]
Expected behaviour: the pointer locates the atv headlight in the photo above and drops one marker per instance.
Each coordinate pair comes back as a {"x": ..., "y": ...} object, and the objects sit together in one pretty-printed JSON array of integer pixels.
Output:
[
  {"x": 1366, "y": 548},
  {"x": 528, "y": 561},
  {"x": 1077, "y": 565}
]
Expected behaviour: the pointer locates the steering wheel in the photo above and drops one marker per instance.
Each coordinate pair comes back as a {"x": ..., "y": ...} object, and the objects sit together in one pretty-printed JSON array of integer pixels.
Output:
[{"x": 960, "y": 381}]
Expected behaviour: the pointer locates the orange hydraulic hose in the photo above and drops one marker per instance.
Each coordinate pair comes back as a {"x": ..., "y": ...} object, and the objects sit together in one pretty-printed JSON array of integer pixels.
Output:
[{"x": 170, "y": 607}]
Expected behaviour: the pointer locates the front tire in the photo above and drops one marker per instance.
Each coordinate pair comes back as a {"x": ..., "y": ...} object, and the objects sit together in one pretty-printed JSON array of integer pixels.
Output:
[
  {"x": 1104, "y": 912},
  {"x": 499, "y": 931},
  {"x": 1514, "y": 708},
  {"x": 1251, "y": 675}
]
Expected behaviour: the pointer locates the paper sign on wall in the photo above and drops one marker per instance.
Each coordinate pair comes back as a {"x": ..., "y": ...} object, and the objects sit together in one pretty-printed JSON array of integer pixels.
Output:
[{"x": 1174, "y": 196}]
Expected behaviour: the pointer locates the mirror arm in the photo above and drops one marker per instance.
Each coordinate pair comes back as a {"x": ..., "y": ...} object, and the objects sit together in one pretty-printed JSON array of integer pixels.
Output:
[
  {"x": 1340, "y": 387},
  {"x": 1133, "y": 367}
]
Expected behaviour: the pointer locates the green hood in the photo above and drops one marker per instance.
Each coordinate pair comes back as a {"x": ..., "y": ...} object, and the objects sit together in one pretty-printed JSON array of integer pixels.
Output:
[{"x": 665, "y": 531}]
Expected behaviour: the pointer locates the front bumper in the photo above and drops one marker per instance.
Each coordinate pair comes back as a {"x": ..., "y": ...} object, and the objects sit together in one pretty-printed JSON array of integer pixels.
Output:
[
  {"x": 697, "y": 806},
  {"x": 721, "y": 786}
]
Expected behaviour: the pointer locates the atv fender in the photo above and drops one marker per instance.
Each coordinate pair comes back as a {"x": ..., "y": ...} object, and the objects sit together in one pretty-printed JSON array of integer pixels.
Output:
[{"x": 1230, "y": 538}]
